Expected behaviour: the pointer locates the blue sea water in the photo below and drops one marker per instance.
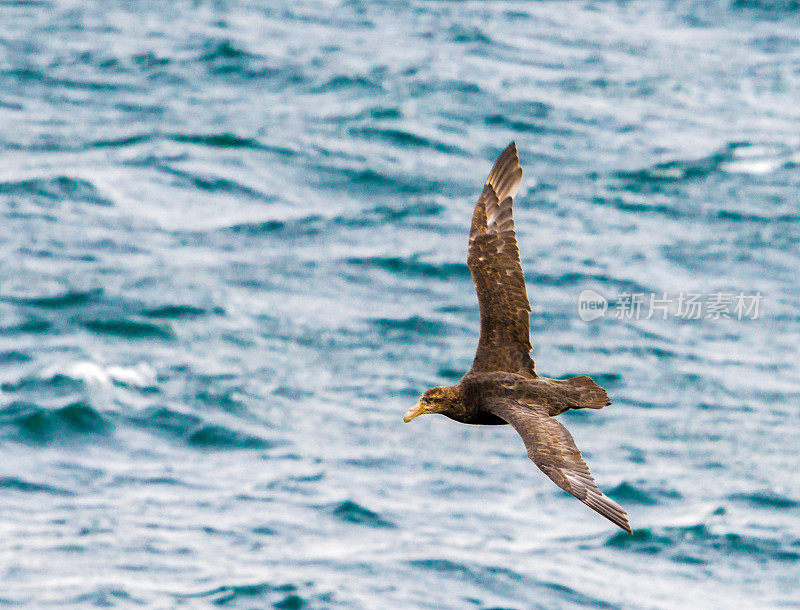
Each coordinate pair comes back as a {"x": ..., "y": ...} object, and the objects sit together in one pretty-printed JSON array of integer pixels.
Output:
[{"x": 232, "y": 254}]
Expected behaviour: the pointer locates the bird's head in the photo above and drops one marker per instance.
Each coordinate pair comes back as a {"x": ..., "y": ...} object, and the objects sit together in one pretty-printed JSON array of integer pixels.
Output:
[{"x": 435, "y": 400}]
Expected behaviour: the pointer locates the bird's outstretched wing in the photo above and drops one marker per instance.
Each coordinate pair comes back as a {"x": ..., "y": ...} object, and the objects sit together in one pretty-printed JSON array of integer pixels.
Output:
[
  {"x": 553, "y": 450},
  {"x": 493, "y": 259}
]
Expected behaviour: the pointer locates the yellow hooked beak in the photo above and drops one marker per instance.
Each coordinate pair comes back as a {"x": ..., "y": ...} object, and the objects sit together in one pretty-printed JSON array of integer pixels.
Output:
[{"x": 417, "y": 409}]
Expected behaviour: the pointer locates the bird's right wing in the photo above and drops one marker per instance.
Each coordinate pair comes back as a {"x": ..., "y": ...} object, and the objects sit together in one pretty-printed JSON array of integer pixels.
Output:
[
  {"x": 553, "y": 450},
  {"x": 493, "y": 258}
]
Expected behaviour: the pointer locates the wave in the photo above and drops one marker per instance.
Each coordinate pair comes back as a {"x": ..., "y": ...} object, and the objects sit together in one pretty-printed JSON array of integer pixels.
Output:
[
  {"x": 67, "y": 299},
  {"x": 737, "y": 216},
  {"x": 697, "y": 543},
  {"x": 27, "y": 3},
  {"x": 55, "y": 383},
  {"x": 141, "y": 375},
  {"x": 418, "y": 88},
  {"x": 213, "y": 184},
  {"x": 226, "y": 58},
  {"x": 120, "y": 142},
  {"x": 129, "y": 329},
  {"x": 346, "y": 81},
  {"x": 578, "y": 278},
  {"x": 66, "y": 424},
  {"x": 640, "y": 207},
  {"x": 148, "y": 60},
  {"x": 403, "y": 139},
  {"x": 678, "y": 170},
  {"x": 376, "y": 112},
  {"x": 261, "y": 594},
  {"x": 14, "y": 357},
  {"x": 105, "y": 597},
  {"x": 768, "y": 6},
  {"x": 743, "y": 158},
  {"x": 306, "y": 226},
  {"x": 411, "y": 325},
  {"x": 628, "y": 493},
  {"x": 166, "y": 420},
  {"x": 217, "y": 140},
  {"x": 34, "y": 326},
  {"x": 370, "y": 182},
  {"x": 516, "y": 125},
  {"x": 212, "y": 436},
  {"x": 221, "y": 140},
  {"x": 222, "y": 49},
  {"x": 17, "y": 484},
  {"x": 461, "y": 34},
  {"x": 412, "y": 267},
  {"x": 56, "y": 190},
  {"x": 227, "y": 400},
  {"x": 450, "y": 374},
  {"x": 31, "y": 75},
  {"x": 474, "y": 573},
  {"x": 501, "y": 580},
  {"x": 766, "y": 499},
  {"x": 176, "y": 312},
  {"x": 195, "y": 431},
  {"x": 67, "y": 378},
  {"x": 314, "y": 224},
  {"x": 384, "y": 213},
  {"x": 528, "y": 117},
  {"x": 352, "y": 512}
]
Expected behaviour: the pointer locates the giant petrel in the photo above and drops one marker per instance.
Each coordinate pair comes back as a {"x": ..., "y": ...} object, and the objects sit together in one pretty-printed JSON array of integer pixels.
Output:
[{"x": 502, "y": 386}]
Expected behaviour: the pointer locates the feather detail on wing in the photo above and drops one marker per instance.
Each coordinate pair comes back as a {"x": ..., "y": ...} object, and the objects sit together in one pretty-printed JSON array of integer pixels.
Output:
[
  {"x": 493, "y": 259},
  {"x": 553, "y": 450}
]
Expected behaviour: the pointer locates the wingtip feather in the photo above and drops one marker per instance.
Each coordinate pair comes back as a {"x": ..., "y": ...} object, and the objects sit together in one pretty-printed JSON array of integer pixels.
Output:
[
  {"x": 506, "y": 173},
  {"x": 609, "y": 509}
]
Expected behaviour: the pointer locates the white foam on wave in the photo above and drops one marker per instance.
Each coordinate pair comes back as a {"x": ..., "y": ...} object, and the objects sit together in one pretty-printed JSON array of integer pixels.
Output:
[
  {"x": 757, "y": 159},
  {"x": 140, "y": 375},
  {"x": 752, "y": 166}
]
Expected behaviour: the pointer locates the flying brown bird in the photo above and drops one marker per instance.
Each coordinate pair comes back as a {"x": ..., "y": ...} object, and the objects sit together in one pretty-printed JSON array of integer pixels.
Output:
[{"x": 502, "y": 386}]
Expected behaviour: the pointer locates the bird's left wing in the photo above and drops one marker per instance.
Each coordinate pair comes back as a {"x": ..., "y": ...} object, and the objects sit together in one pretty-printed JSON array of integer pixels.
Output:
[{"x": 553, "y": 450}]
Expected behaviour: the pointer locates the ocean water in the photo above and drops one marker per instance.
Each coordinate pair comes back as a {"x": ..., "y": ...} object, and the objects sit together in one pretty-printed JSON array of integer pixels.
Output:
[{"x": 232, "y": 254}]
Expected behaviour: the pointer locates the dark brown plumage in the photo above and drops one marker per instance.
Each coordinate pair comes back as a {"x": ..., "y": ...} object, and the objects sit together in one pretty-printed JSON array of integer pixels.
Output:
[{"x": 502, "y": 386}]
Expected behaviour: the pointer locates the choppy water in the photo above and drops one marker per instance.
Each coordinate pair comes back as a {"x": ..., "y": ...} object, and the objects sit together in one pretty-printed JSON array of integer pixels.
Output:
[{"x": 233, "y": 240}]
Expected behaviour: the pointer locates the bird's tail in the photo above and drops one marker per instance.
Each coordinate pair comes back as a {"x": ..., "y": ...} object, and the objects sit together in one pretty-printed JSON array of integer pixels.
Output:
[{"x": 579, "y": 393}]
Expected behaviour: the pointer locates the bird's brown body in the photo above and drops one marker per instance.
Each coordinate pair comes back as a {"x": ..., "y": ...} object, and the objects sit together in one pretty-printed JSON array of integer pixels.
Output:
[
  {"x": 470, "y": 400},
  {"x": 502, "y": 387}
]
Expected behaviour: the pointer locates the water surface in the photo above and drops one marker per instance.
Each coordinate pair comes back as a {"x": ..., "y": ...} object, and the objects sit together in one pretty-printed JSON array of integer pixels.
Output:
[{"x": 233, "y": 245}]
